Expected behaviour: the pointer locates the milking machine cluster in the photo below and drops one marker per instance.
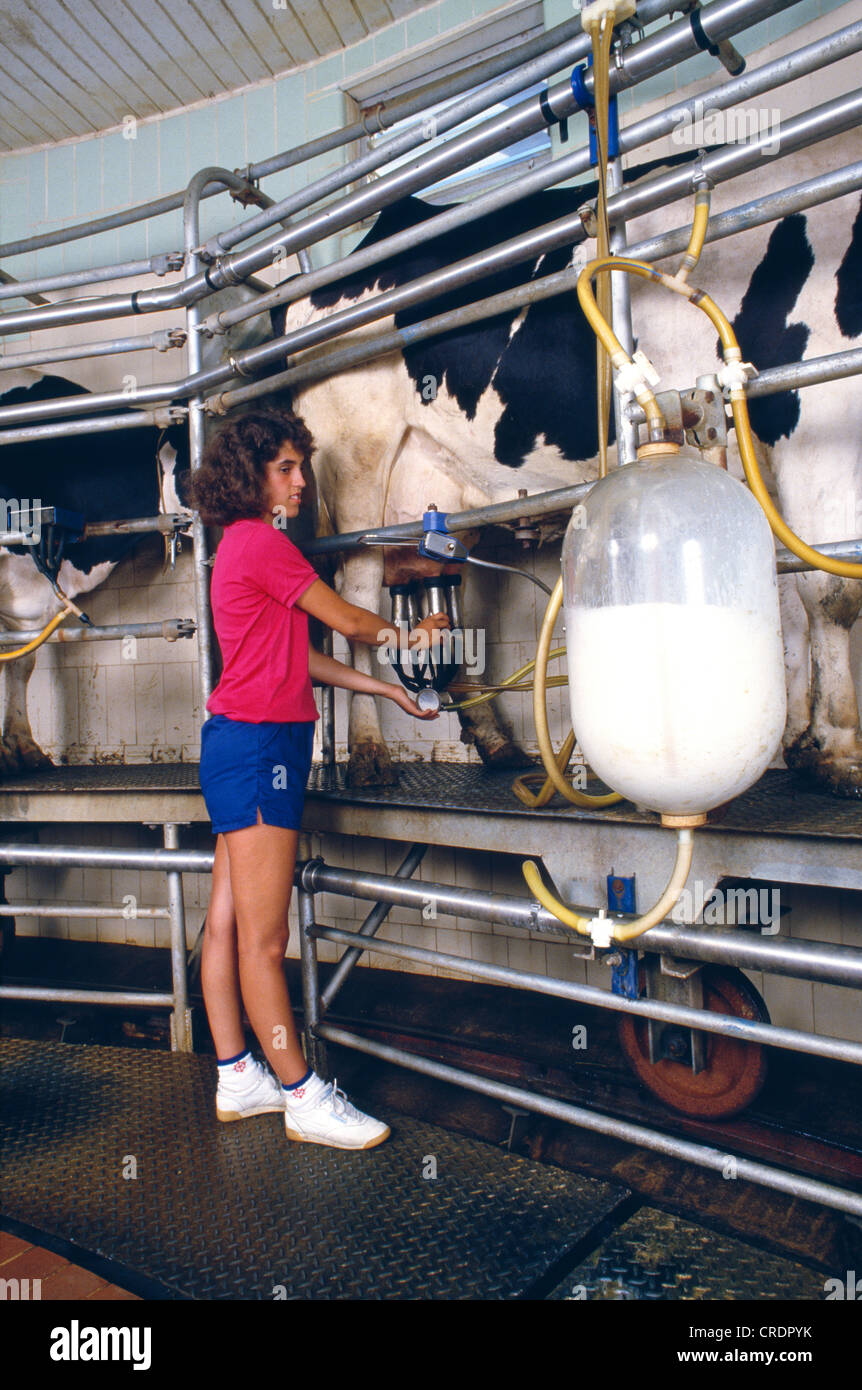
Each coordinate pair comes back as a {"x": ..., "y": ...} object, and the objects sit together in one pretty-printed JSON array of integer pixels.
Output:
[{"x": 425, "y": 670}]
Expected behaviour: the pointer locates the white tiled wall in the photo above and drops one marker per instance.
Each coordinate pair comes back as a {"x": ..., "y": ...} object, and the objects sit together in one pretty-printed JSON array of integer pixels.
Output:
[{"x": 89, "y": 703}]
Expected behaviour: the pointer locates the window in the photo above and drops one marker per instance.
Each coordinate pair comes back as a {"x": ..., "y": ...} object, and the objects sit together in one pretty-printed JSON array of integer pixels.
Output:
[{"x": 447, "y": 57}]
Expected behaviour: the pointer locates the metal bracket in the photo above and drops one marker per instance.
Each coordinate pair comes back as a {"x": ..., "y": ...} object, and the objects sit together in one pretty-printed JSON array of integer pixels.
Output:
[
  {"x": 248, "y": 195},
  {"x": 167, "y": 261},
  {"x": 167, "y": 338},
  {"x": 704, "y": 417},
  {"x": 436, "y": 542},
  {"x": 175, "y": 628},
  {"x": 170, "y": 415},
  {"x": 516, "y": 1116},
  {"x": 681, "y": 983}
]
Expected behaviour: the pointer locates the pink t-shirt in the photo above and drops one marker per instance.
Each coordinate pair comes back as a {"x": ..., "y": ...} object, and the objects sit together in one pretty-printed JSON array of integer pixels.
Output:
[{"x": 257, "y": 577}]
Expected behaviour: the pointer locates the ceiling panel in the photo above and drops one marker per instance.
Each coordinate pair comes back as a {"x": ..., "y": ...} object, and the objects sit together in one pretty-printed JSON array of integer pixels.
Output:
[{"x": 75, "y": 67}]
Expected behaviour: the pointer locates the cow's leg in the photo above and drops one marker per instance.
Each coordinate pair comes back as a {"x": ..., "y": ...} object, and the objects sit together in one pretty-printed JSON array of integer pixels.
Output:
[
  {"x": 794, "y": 629},
  {"x": 18, "y": 748},
  {"x": 830, "y": 749},
  {"x": 493, "y": 741},
  {"x": 481, "y": 725},
  {"x": 369, "y": 762}
]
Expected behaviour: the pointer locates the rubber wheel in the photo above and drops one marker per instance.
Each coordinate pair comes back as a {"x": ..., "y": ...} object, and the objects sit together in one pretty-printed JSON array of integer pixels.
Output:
[{"x": 734, "y": 1072}]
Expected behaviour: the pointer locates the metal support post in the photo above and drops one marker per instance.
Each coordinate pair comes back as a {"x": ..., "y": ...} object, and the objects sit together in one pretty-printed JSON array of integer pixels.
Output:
[
  {"x": 315, "y": 1050},
  {"x": 181, "y": 1019}
]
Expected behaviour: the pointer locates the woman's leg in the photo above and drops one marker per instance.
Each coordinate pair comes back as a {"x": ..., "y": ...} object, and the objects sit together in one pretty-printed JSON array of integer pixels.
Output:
[
  {"x": 262, "y": 860},
  {"x": 220, "y": 962}
]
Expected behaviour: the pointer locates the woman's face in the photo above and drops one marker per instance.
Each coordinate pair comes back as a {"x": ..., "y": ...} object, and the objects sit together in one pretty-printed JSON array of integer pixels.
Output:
[{"x": 283, "y": 483}]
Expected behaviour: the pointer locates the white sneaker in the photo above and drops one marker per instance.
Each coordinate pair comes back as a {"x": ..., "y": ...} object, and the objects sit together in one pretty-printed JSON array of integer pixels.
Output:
[
  {"x": 324, "y": 1115},
  {"x": 247, "y": 1088}
]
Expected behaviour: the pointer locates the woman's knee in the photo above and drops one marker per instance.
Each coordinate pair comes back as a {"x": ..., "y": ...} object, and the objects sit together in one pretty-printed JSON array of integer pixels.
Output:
[{"x": 264, "y": 946}]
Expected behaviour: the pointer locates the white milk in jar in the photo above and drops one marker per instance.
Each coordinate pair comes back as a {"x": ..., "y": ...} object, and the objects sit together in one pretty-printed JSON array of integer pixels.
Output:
[{"x": 678, "y": 706}]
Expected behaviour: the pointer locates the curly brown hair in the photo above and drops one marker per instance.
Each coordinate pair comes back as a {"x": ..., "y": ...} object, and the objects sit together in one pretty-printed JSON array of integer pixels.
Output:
[{"x": 229, "y": 485}]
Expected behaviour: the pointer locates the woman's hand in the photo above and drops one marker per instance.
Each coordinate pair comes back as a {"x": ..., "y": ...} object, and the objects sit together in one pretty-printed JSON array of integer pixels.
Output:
[
  {"x": 401, "y": 697},
  {"x": 422, "y": 634}
]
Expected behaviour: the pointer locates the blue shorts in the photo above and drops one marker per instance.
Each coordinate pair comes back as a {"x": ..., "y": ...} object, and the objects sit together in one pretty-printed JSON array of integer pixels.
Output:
[{"x": 249, "y": 766}]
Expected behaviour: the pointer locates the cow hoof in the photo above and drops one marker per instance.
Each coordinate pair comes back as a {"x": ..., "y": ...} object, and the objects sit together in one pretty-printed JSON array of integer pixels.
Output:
[
  {"x": 838, "y": 776},
  {"x": 21, "y": 755},
  {"x": 505, "y": 755},
  {"x": 371, "y": 766}
]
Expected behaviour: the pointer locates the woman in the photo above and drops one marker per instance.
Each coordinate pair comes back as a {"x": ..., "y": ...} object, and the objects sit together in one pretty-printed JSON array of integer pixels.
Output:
[{"x": 255, "y": 760}]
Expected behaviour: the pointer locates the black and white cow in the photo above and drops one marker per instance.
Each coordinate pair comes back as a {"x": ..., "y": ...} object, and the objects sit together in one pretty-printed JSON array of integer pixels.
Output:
[
  {"x": 471, "y": 417},
  {"x": 112, "y": 476}
]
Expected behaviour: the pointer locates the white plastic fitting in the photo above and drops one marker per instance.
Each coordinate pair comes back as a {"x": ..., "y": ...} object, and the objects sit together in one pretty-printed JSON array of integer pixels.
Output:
[
  {"x": 595, "y": 13},
  {"x": 733, "y": 375},
  {"x": 637, "y": 374},
  {"x": 601, "y": 929}
]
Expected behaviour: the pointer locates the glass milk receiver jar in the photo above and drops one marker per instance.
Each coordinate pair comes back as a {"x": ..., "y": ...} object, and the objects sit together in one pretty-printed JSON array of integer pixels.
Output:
[{"x": 673, "y": 634}]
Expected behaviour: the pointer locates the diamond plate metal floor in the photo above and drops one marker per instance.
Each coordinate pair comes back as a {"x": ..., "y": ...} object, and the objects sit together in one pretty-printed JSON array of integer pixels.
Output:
[
  {"x": 120, "y": 1153},
  {"x": 655, "y": 1255}
]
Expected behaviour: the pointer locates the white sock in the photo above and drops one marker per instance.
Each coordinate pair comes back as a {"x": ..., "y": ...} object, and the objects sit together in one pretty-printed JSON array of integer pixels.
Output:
[
  {"x": 306, "y": 1093},
  {"x": 236, "y": 1070}
]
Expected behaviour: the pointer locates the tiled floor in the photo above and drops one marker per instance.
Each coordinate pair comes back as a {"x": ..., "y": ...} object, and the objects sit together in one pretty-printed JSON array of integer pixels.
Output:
[{"x": 58, "y": 1278}]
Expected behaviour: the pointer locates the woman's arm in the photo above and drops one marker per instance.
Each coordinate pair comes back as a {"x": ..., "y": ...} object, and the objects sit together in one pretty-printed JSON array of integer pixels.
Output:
[
  {"x": 327, "y": 671},
  {"x": 359, "y": 624}
]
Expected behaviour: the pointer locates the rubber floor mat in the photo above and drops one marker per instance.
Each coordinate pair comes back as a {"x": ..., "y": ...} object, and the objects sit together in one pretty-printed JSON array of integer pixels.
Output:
[{"x": 120, "y": 1152}]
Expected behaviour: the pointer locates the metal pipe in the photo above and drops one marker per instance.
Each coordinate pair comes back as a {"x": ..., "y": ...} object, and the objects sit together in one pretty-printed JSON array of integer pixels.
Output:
[
  {"x": 327, "y": 710},
  {"x": 98, "y": 424},
  {"x": 835, "y": 965},
  {"x": 398, "y": 110},
  {"x": 187, "y": 861},
  {"x": 7, "y": 279},
  {"x": 166, "y": 522},
  {"x": 171, "y": 629},
  {"x": 67, "y": 910},
  {"x": 40, "y": 993},
  {"x": 793, "y": 66},
  {"x": 162, "y": 341},
  {"x": 495, "y": 513},
  {"x": 470, "y": 105},
  {"x": 788, "y": 563},
  {"x": 181, "y": 1018},
  {"x": 838, "y": 965},
  {"x": 315, "y": 1051},
  {"x": 370, "y": 926},
  {"x": 793, "y": 376},
  {"x": 540, "y": 504},
  {"x": 532, "y": 245},
  {"x": 726, "y": 1025},
  {"x": 200, "y": 547},
  {"x": 807, "y": 59},
  {"x": 796, "y": 198},
  {"x": 621, "y": 321},
  {"x": 722, "y": 164},
  {"x": 833, "y": 367},
  {"x": 125, "y": 270},
  {"x": 808, "y": 1189},
  {"x": 719, "y": 20},
  {"x": 342, "y": 359}
]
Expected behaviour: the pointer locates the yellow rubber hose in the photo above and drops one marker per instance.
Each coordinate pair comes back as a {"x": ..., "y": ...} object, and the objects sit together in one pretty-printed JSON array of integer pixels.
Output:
[
  {"x": 540, "y": 712},
  {"x": 620, "y": 932},
  {"x": 43, "y": 635},
  {"x": 845, "y": 569}
]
